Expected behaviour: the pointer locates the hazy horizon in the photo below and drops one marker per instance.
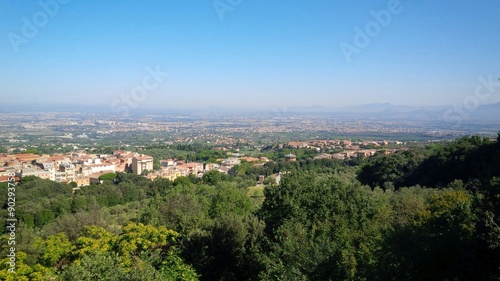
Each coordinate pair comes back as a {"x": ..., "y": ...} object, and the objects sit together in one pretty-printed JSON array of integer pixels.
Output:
[
  {"x": 249, "y": 54},
  {"x": 360, "y": 106}
]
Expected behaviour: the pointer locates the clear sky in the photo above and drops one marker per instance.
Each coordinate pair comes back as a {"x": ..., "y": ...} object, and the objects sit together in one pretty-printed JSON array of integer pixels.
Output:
[{"x": 247, "y": 52}]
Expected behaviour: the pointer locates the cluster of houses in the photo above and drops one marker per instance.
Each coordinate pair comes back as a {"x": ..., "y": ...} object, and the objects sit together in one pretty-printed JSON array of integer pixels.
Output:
[
  {"x": 172, "y": 169},
  {"x": 351, "y": 149},
  {"x": 85, "y": 169},
  {"x": 338, "y": 144},
  {"x": 78, "y": 167}
]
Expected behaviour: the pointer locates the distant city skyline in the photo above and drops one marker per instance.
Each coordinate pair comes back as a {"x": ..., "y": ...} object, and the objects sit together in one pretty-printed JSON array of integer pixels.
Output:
[{"x": 251, "y": 54}]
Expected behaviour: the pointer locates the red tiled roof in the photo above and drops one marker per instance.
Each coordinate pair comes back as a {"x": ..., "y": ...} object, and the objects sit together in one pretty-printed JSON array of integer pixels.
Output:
[{"x": 6, "y": 178}]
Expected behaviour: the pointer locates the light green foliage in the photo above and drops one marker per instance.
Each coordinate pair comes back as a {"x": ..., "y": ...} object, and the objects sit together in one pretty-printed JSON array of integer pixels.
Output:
[
  {"x": 229, "y": 199},
  {"x": 108, "y": 176},
  {"x": 24, "y": 272},
  {"x": 54, "y": 250},
  {"x": 93, "y": 239},
  {"x": 137, "y": 238},
  {"x": 100, "y": 255}
]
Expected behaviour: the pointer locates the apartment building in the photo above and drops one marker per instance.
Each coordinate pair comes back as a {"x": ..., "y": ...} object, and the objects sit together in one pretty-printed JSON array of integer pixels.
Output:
[{"x": 141, "y": 163}]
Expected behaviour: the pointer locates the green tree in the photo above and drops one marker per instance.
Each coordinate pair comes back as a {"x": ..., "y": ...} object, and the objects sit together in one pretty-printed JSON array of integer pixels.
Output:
[
  {"x": 29, "y": 178},
  {"x": 54, "y": 250},
  {"x": 234, "y": 248},
  {"x": 467, "y": 159},
  {"x": 323, "y": 228},
  {"x": 229, "y": 199},
  {"x": 435, "y": 239},
  {"x": 141, "y": 252},
  {"x": 43, "y": 217},
  {"x": 108, "y": 176},
  {"x": 182, "y": 181},
  {"x": 270, "y": 181},
  {"x": 78, "y": 203},
  {"x": 24, "y": 272},
  {"x": 212, "y": 177},
  {"x": 96, "y": 266},
  {"x": 229, "y": 250},
  {"x": 93, "y": 239},
  {"x": 393, "y": 168}
]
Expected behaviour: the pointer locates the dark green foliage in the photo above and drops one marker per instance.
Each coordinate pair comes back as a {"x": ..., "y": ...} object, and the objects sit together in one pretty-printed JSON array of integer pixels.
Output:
[
  {"x": 277, "y": 154},
  {"x": 39, "y": 202},
  {"x": 159, "y": 187},
  {"x": 131, "y": 178},
  {"x": 184, "y": 208},
  {"x": 210, "y": 156},
  {"x": 322, "y": 228},
  {"x": 433, "y": 238},
  {"x": 212, "y": 177},
  {"x": 467, "y": 159},
  {"x": 43, "y": 217},
  {"x": 78, "y": 203},
  {"x": 233, "y": 248},
  {"x": 182, "y": 181},
  {"x": 229, "y": 250},
  {"x": 29, "y": 178},
  {"x": 394, "y": 168},
  {"x": 131, "y": 193}
]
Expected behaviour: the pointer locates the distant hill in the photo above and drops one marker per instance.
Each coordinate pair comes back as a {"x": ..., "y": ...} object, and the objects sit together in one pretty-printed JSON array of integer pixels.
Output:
[
  {"x": 388, "y": 111},
  {"x": 376, "y": 107},
  {"x": 487, "y": 111},
  {"x": 368, "y": 108}
]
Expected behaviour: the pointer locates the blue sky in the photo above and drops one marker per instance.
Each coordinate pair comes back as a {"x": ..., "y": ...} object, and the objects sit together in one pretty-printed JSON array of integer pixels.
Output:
[{"x": 259, "y": 53}]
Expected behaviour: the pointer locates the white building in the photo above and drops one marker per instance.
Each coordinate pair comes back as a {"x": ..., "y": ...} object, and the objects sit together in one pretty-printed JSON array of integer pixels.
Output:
[
  {"x": 230, "y": 162},
  {"x": 97, "y": 168}
]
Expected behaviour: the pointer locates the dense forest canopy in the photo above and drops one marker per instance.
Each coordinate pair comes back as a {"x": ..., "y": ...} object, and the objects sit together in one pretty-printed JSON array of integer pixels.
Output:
[{"x": 423, "y": 214}]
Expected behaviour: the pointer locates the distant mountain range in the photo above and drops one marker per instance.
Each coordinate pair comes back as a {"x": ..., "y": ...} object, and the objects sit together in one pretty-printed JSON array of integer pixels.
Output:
[
  {"x": 366, "y": 108},
  {"x": 488, "y": 111}
]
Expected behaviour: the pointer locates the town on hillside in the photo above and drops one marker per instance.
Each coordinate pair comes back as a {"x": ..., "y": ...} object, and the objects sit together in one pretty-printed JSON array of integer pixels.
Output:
[{"x": 83, "y": 168}]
